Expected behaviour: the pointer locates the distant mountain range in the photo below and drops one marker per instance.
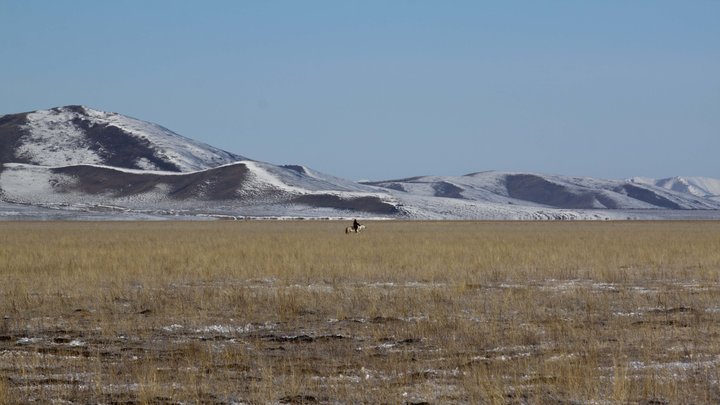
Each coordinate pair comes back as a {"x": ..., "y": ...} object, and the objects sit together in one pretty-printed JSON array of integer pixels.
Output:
[
  {"x": 76, "y": 162},
  {"x": 704, "y": 187}
]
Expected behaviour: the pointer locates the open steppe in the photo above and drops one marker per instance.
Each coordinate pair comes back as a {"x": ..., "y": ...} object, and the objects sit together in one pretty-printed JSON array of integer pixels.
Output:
[{"x": 406, "y": 312}]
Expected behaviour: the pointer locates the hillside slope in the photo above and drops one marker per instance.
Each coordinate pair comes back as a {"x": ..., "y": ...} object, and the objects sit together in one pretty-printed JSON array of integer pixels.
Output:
[{"x": 75, "y": 135}]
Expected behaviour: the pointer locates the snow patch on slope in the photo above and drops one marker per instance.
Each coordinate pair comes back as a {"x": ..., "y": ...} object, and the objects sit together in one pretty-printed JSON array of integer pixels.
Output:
[
  {"x": 311, "y": 180},
  {"x": 53, "y": 138},
  {"x": 30, "y": 184},
  {"x": 185, "y": 153},
  {"x": 263, "y": 179}
]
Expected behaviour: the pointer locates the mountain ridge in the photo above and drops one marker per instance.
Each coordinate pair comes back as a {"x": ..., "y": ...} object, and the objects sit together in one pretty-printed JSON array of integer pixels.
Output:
[{"x": 75, "y": 158}]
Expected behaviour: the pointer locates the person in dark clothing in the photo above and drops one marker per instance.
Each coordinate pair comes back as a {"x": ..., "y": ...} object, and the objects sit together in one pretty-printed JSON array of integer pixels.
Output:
[{"x": 355, "y": 225}]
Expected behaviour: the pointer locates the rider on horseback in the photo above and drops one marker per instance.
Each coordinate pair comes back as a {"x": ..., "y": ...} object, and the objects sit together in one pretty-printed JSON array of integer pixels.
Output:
[{"x": 355, "y": 225}]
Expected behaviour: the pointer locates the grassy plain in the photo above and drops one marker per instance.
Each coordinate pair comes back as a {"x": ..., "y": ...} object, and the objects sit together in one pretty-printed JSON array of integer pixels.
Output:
[{"x": 407, "y": 312}]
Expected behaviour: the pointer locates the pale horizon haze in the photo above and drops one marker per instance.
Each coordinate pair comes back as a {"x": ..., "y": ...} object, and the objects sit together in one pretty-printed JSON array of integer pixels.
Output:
[{"x": 390, "y": 89}]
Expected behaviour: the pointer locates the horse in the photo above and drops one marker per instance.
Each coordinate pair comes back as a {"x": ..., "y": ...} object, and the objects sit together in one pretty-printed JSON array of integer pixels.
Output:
[{"x": 350, "y": 229}]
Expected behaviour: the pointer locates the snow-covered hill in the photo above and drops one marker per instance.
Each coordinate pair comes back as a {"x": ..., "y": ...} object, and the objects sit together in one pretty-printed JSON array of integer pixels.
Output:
[
  {"x": 75, "y": 135},
  {"x": 76, "y": 162},
  {"x": 245, "y": 188},
  {"x": 699, "y": 186}
]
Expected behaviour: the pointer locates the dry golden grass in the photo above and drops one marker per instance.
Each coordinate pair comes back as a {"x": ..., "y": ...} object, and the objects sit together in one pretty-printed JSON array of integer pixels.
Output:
[{"x": 407, "y": 312}]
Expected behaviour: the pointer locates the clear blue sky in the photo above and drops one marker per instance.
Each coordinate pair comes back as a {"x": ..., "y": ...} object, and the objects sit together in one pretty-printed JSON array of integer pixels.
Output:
[{"x": 388, "y": 89}]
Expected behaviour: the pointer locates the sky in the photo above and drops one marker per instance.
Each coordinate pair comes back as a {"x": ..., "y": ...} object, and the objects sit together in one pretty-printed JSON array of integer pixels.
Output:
[{"x": 377, "y": 90}]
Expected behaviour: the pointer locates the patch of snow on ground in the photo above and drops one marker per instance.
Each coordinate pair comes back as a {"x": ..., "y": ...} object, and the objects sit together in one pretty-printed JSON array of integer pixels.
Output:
[
  {"x": 172, "y": 328},
  {"x": 27, "y": 340},
  {"x": 229, "y": 329},
  {"x": 676, "y": 366}
]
